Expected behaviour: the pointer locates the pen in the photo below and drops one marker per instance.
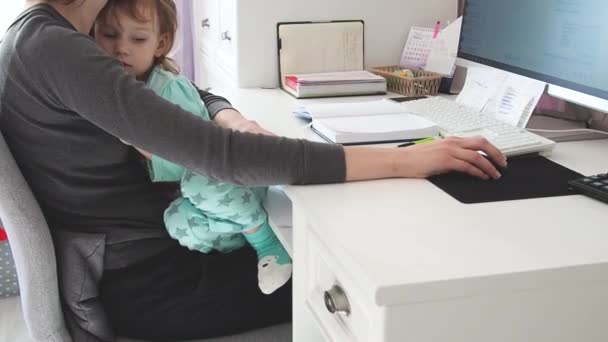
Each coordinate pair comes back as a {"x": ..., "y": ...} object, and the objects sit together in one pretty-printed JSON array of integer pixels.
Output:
[
  {"x": 437, "y": 25},
  {"x": 421, "y": 141}
]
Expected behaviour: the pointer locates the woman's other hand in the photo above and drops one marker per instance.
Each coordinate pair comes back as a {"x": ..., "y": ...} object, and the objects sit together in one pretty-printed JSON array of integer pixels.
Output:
[
  {"x": 232, "y": 119},
  {"x": 251, "y": 127}
]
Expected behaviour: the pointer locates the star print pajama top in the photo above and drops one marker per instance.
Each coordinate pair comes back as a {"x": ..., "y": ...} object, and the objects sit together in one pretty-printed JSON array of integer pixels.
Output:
[{"x": 211, "y": 214}]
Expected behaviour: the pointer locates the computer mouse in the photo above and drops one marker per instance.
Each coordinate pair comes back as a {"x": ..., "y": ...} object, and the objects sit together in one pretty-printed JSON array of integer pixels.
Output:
[{"x": 501, "y": 169}]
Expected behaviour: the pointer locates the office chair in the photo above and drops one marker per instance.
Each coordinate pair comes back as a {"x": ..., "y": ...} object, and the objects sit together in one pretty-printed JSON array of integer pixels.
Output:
[{"x": 35, "y": 261}]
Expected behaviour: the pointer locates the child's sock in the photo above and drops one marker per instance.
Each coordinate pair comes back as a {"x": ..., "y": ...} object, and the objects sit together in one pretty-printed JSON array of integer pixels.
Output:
[{"x": 274, "y": 264}]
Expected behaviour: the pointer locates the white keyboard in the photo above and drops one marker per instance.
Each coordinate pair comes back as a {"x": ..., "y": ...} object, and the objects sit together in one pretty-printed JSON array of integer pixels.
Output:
[{"x": 454, "y": 119}]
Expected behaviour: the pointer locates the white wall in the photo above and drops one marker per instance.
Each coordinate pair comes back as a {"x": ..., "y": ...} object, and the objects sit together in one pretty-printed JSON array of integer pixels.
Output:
[
  {"x": 9, "y": 9},
  {"x": 387, "y": 23}
]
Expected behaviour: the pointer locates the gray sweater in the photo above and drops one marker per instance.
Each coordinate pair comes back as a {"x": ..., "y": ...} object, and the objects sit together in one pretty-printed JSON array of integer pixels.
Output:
[{"x": 65, "y": 104}]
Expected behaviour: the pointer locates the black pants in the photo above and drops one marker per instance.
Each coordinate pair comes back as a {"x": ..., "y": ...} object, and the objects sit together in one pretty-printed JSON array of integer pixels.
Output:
[{"x": 182, "y": 295}]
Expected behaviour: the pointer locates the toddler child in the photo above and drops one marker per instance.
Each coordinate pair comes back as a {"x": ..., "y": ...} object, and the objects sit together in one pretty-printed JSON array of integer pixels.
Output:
[{"x": 210, "y": 215}]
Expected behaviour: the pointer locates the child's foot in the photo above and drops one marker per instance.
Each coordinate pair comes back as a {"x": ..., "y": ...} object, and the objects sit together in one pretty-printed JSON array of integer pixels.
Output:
[
  {"x": 274, "y": 263},
  {"x": 271, "y": 274}
]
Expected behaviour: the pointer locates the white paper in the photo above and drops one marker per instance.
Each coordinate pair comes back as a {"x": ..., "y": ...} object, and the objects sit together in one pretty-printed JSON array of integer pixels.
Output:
[
  {"x": 508, "y": 97},
  {"x": 515, "y": 100},
  {"x": 444, "y": 50},
  {"x": 348, "y": 77},
  {"x": 377, "y": 123},
  {"x": 480, "y": 85},
  {"x": 363, "y": 108}
]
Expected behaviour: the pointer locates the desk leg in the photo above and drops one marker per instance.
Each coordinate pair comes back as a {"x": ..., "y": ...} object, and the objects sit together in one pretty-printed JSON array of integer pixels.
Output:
[{"x": 305, "y": 328}]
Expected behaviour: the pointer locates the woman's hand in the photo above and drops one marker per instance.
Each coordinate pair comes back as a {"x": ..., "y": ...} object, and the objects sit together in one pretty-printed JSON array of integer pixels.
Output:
[
  {"x": 232, "y": 119},
  {"x": 452, "y": 154},
  {"x": 250, "y": 126},
  {"x": 425, "y": 160}
]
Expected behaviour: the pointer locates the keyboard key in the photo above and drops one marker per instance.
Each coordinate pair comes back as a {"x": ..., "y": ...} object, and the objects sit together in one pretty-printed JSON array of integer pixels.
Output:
[{"x": 592, "y": 186}]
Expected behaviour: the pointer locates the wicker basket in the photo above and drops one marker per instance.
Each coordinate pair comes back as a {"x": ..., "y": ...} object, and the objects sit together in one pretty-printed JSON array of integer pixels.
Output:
[{"x": 423, "y": 82}]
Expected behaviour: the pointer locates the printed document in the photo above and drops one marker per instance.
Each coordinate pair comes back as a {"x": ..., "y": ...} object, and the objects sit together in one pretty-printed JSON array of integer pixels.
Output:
[{"x": 508, "y": 97}]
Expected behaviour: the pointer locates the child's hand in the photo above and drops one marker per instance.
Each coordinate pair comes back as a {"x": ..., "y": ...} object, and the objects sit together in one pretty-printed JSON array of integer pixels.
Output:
[{"x": 146, "y": 154}]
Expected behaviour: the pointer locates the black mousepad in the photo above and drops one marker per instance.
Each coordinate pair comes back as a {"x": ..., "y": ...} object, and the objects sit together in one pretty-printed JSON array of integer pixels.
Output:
[{"x": 525, "y": 177}]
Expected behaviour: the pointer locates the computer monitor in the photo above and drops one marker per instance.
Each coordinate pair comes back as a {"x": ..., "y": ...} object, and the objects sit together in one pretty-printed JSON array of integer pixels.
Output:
[{"x": 561, "y": 42}]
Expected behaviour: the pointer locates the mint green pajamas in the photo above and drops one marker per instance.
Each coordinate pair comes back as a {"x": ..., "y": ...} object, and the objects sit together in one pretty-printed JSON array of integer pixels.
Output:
[{"x": 210, "y": 215}]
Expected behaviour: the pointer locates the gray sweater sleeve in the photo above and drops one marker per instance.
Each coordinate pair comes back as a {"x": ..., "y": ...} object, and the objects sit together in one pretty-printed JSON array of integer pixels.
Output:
[{"x": 80, "y": 77}]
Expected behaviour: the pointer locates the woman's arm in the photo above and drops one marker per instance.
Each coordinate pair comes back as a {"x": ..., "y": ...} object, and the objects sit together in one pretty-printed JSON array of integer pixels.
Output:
[
  {"x": 103, "y": 94},
  {"x": 89, "y": 84}
]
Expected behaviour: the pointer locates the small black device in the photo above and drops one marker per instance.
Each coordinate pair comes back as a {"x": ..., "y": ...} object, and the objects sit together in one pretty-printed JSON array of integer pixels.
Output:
[
  {"x": 406, "y": 98},
  {"x": 592, "y": 186}
]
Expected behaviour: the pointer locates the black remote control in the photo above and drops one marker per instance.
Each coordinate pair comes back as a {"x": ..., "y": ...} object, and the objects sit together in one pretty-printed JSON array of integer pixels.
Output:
[{"x": 592, "y": 186}]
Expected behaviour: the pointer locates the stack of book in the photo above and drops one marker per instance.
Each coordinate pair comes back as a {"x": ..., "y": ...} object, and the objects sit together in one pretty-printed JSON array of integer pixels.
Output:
[{"x": 344, "y": 83}]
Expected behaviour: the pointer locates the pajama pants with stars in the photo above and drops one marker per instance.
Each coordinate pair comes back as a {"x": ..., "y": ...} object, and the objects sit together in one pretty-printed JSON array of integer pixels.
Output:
[{"x": 211, "y": 215}]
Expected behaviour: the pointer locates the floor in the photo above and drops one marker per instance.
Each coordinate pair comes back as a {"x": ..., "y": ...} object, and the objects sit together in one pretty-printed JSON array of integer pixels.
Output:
[
  {"x": 12, "y": 326},
  {"x": 13, "y": 329}
]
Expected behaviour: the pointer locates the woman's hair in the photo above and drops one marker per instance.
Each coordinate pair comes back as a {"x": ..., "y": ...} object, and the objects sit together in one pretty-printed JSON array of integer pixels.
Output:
[{"x": 166, "y": 15}]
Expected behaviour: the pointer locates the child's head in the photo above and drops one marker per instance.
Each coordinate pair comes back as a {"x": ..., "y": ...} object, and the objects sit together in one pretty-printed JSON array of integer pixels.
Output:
[{"x": 139, "y": 33}]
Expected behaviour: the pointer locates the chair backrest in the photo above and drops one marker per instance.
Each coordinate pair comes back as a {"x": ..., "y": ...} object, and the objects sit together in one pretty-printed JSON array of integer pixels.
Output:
[{"x": 33, "y": 252}]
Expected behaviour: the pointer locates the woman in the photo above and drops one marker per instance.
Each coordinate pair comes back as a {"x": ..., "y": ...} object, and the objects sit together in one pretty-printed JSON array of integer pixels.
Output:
[{"x": 66, "y": 106}]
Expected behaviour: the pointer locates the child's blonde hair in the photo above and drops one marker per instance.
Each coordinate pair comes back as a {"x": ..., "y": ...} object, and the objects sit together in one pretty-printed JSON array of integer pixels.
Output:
[{"x": 166, "y": 14}]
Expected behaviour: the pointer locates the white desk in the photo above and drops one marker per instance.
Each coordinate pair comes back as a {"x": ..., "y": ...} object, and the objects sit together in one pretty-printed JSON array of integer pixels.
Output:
[{"x": 417, "y": 265}]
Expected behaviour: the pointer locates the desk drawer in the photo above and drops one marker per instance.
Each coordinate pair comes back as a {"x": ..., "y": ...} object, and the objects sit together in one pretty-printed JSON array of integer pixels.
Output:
[
  {"x": 327, "y": 290},
  {"x": 206, "y": 24}
]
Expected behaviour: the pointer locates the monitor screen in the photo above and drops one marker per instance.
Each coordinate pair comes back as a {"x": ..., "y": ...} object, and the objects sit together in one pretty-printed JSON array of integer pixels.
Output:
[{"x": 561, "y": 42}]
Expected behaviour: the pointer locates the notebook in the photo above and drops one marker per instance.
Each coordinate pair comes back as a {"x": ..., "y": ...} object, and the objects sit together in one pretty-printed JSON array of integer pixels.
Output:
[
  {"x": 369, "y": 122},
  {"x": 321, "y": 59},
  {"x": 335, "y": 84}
]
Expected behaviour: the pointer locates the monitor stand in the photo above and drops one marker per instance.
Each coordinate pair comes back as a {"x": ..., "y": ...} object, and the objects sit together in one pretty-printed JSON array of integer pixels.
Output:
[{"x": 572, "y": 125}]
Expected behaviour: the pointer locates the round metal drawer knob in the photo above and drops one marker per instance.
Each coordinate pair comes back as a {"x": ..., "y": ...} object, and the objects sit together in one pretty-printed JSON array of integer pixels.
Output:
[{"x": 336, "y": 300}]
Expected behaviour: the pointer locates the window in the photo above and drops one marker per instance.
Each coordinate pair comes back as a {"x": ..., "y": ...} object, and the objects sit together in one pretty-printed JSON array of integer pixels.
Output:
[{"x": 10, "y": 10}]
